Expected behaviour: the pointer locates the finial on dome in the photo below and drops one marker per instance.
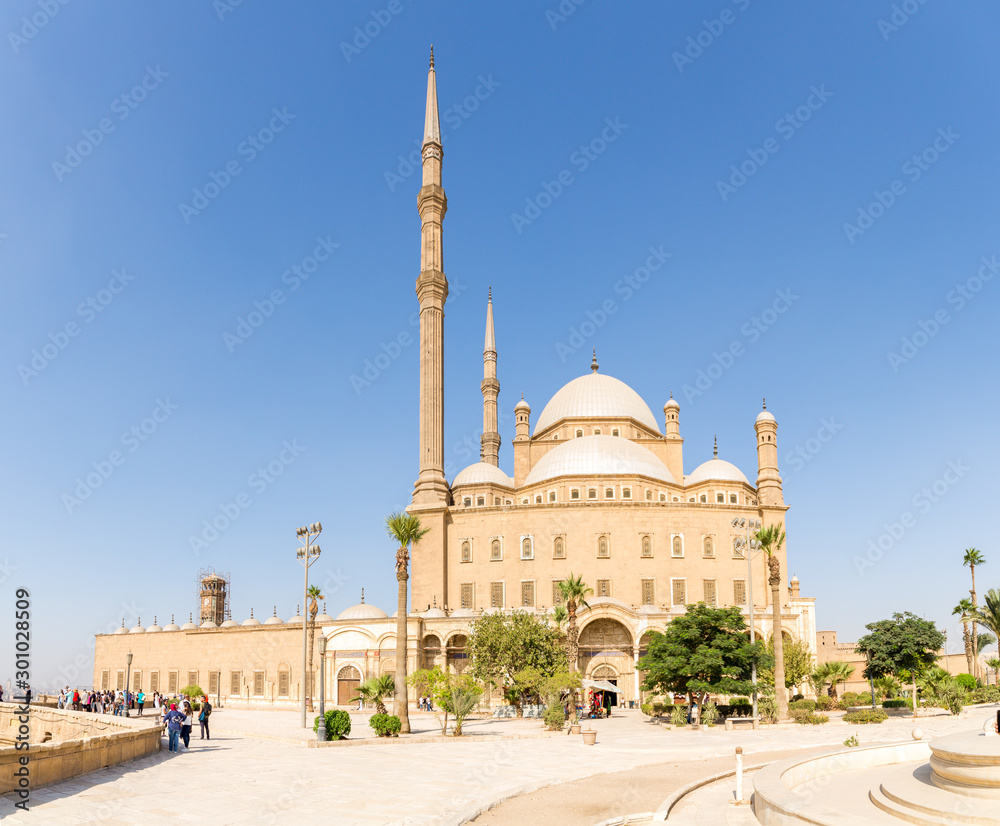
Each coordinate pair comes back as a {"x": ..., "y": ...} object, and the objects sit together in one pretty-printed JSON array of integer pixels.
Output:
[
  {"x": 251, "y": 613},
  {"x": 435, "y": 602},
  {"x": 671, "y": 394},
  {"x": 191, "y": 615},
  {"x": 123, "y": 620},
  {"x": 491, "y": 292},
  {"x": 154, "y": 620},
  {"x": 432, "y": 55},
  {"x": 171, "y": 620},
  {"x": 362, "y": 596},
  {"x": 765, "y": 403},
  {"x": 715, "y": 450},
  {"x": 593, "y": 363},
  {"x": 139, "y": 620},
  {"x": 274, "y": 611}
]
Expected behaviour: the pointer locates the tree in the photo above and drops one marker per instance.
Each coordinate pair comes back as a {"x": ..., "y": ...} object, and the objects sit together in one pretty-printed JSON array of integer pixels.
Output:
[
  {"x": 888, "y": 687},
  {"x": 904, "y": 643},
  {"x": 375, "y": 690},
  {"x": 500, "y": 646},
  {"x": 971, "y": 559},
  {"x": 560, "y": 617},
  {"x": 989, "y": 615},
  {"x": 965, "y": 611},
  {"x": 798, "y": 662},
  {"x": 771, "y": 539},
  {"x": 574, "y": 592},
  {"x": 707, "y": 650},
  {"x": 406, "y": 531},
  {"x": 831, "y": 673},
  {"x": 994, "y": 663},
  {"x": 451, "y": 694},
  {"x": 314, "y": 593}
]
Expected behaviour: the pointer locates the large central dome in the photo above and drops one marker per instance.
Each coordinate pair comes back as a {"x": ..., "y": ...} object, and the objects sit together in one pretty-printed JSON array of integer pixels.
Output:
[
  {"x": 596, "y": 396},
  {"x": 598, "y": 456}
]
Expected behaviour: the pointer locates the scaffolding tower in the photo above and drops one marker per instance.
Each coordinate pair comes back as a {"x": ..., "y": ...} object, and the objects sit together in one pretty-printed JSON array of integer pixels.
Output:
[{"x": 213, "y": 596}]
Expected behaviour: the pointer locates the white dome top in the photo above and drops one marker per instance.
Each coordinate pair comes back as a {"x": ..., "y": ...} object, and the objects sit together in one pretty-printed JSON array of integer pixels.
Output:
[
  {"x": 433, "y": 613},
  {"x": 764, "y": 416},
  {"x": 482, "y": 473},
  {"x": 250, "y": 622},
  {"x": 671, "y": 402},
  {"x": 230, "y": 624},
  {"x": 362, "y": 611},
  {"x": 324, "y": 618},
  {"x": 137, "y": 630},
  {"x": 153, "y": 629},
  {"x": 596, "y": 395},
  {"x": 208, "y": 624},
  {"x": 716, "y": 469},
  {"x": 598, "y": 456},
  {"x": 522, "y": 405},
  {"x": 122, "y": 630},
  {"x": 461, "y": 613},
  {"x": 171, "y": 626}
]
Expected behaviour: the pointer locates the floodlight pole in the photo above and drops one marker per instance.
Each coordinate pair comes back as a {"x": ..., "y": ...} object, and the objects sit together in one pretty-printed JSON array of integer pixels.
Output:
[{"x": 307, "y": 555}]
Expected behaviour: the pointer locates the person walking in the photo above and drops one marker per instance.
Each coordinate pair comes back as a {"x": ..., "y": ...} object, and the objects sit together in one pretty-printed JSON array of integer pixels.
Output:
[
  {"x": 140, "y": 700},
  {"x": 206, "y": 711},
  {"x": 172, "y": 722},
  {"x": 186, "y": 725}
]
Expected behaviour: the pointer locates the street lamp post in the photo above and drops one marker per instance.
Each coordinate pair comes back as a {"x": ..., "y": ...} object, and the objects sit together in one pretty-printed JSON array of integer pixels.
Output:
[
  {"x": 749, "y": 545},
  {"x": 321, "y": 728},
  {"x": 307, "y": 555},
  {"x": 128, "y": 675},
  {"x": 871, "y": 678}
]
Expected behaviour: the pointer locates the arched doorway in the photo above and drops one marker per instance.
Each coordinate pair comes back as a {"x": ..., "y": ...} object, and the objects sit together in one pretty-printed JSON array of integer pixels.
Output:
[
  {"x": 608, "y": 674},
  {"x": 606, "y": 643},
  {"x": 432, "y": 650},
  {"x": 348, "y": 682},
  {"x": 457, "y": 655}
]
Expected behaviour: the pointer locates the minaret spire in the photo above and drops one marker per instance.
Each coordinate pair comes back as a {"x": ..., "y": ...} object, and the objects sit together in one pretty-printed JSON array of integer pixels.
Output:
[
  {"x": 490, "y": 440},
  {"x": 431, "y": 487}
]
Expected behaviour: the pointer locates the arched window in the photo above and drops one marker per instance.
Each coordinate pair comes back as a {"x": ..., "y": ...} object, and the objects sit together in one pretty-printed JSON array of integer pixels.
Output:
[
  {"x": 467, "y": 502},
  {"x": 574, "y": 494},
  {"x": 466, "y": 551},
  {"x": 558, "y": 548},
  {"x": 552, "y": 496},
  {"x": 626, "y": 493},
  {"x": 614, "y": 432},
  {"x": 592, "y": 493},
  {"x": 677, "y": 546},
  {"x": 579, "y": 433},
  {"x": 496, "y": 550},
  {"x": 704, "y": 498},
  {"x": 609, "y": 493},
  {"x": 709, "y": 547},
  {"x": 496, "y": 500},
  {"x": 733, "y": 499},
  {"x": 720, "y": 498},
  {"x": 649, "y": 496},
  {"x": 538, "y": 499},
  {"x": 602, "y": 546},
  {"x": 647, "y": 546},
  {"x": 597, "y": 432},
  {"x": 480, "y": 501},
  {"x": 526, "y": 550}
]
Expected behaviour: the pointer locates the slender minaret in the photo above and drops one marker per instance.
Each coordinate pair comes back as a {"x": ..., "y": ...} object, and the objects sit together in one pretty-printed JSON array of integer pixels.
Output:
[
  {"x": 431, "y": 487},
  {"x": 490, "y": 440},
  {"x": 768, "y": 479}
]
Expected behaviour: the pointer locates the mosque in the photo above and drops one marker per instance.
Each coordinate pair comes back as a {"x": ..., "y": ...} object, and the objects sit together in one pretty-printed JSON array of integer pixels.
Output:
[{"x": 598, "y": 489}]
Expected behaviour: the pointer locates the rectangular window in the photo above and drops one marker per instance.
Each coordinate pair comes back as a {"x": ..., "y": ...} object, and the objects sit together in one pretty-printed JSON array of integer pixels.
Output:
[
  {"x": 709, "y": 588},
  {"x": 648, "y": 594},
  {"x": 739, "y": 592},
  {"x": 213, "y": 683},
  {"x": 609, "y": 493},
  {"x": 154, "y": 682},
  {"x": 236, "y": 683},
  {"x": 106, "y": 681},
  {"x": 468, "y": 595},
  {"x": 283, "y": 681},
  {"x": 557, "y": 597},
  {"x": 496, "y": 595},
  {"x": 121, "y": 680},
  {"x": 574, "y": 494},
  {"x": 192, "y": 678},
  {"x": 679, "y": 592},
  {"x": 137, "y": 681},
  {"x": 258, "y": 683},
  {"x": 172, "y": 683},
  {"x": 604, "y": 587},
  {"x": 626, "y": 493},
  {"x": 528, "y": 594}
]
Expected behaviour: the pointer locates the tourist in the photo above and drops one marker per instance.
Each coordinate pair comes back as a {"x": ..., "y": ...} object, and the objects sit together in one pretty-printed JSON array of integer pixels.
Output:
[
  {"x": 76, "y": 699},
  {"x": 186, "y": 725},
  {"x": 140, "y": 700},
  {"x": 172, "y": 721},
  {"x": 206, "y": 710}
]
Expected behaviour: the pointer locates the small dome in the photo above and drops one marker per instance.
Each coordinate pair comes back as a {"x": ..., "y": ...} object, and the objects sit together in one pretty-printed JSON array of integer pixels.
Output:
[
  {"x": 522, "y": 405},
  {"x": 671, "y": 403},
  {"x": 274, "y": 619},
  {"x": 462, "y": 613},
  {"x": 648, "y": 609},
  {"x": 230, "y": 624},
  {"x": 794, "y": 578},
  {"x": 248, "y": 623},
  {"x": 324, "y": 618},
  {"x": 122, "y": 630},
  {"x": 172, "y": 626},
  {"x": 482, "y": 473},
  {"x": 596, "y": 396},
  {"x": 137, "y": 630},
  {"x": 598, "y": 456},
  {"x": 717, "y": 469},
  {"x": 433, "y": 613},
  {"x": 362, "y": 611},
  {"x": 189, "y": 626},
  {"x": 297, "y": 619},
  {"x": 208, "y": 624},
  {"x": 153, "y": 628},
  {"x": 764, "y": 416}
]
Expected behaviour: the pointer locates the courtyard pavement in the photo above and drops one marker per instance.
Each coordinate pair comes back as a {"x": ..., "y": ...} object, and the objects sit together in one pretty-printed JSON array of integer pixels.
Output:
[{"x": 254, "y": 778}]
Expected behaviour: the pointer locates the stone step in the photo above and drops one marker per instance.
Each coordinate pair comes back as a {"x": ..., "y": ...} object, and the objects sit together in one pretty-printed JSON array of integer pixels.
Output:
[{"x": 908, "y": 794}]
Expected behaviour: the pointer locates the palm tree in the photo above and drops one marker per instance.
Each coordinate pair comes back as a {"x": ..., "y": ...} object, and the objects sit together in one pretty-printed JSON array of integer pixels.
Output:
[
  {"x": 965, "y": 612},
  {"x": 836, "y": 671},
  {"x": 994, "y": 663},
  {"x": 819, "y": 678},
  {"x": 575, "y": 592},
  {"x": 888, "y": 686},
  {"x": 315, "y": 593},
  {"x": 405, "y": 530},
  {"x": 375, "y": 690},
  {"x": 972, "y": 558},
  {"x": 559, "y": 617},
  {"x": 989, "y": 615},
  {"x": 771, "y": 539}
]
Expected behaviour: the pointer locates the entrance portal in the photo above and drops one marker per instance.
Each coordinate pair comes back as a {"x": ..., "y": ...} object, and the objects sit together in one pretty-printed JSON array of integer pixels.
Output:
[{"x": 348, "y": 682}]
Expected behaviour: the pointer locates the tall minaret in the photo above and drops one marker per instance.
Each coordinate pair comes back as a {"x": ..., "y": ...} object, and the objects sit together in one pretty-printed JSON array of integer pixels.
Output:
[
  {"x": 431, "y": 487},
  {"x": 490, "y": 440},
  {"x": 768, "y": 479}
]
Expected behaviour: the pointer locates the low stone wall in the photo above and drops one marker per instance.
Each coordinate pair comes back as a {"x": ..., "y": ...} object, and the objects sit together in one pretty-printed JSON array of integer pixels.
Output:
[{"x": 64, "y": 743}]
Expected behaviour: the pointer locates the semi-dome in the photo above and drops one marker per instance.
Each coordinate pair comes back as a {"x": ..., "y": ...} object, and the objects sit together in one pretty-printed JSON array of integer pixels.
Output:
[
  {"x": 598, "y": 456},
  {"x": 596, "y": 396},
  {"x": 716, "y": 469},
  {"x": 362, "y": 611},
  {"x": 482, "y": 473}
]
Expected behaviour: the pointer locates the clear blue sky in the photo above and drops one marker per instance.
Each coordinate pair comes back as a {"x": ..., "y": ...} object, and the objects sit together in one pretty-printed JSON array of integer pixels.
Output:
[{"x": 99, "y": 177}]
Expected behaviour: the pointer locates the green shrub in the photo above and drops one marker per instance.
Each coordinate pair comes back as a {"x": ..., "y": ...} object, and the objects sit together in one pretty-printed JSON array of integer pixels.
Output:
[
  {"x": 852, "y": 741},
  {"x": 385, "y": 725},
  {"x": 679, "y": 715},
  {"x": 865, "y": 716},
  {"x": 195, "y": 706},
  {"x": 740, "y": 701},
  {"x": 338, "y": 724},
  {"x": 555, "y": 717},
  {"x": 658, "y": 709},
  {"x": 967, "y": 681},
  {"x": 987, "y": 694},
  {"x": 647, "y": 709},
  {"x": 709, "y": 714},
  {"x": 797, "y": 697},
  {"x": 193, "y": 691},
  {"x": 825, "y": 703},
  {"x": 900, "y": 703},
  {"x": 806, "y": 717},
  {"x": 767, "y": 708},
  {"x": 807, "y": 705}
]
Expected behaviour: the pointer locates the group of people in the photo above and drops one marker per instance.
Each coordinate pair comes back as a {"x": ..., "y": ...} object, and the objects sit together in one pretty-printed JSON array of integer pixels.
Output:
[
  {"x": 178, "y": 719},
  {"x": 425, "y": 704},
  {"x": 104, "y": 702}
]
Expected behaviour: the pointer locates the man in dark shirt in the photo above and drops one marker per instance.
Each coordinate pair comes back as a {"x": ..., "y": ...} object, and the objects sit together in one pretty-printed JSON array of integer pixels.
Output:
[{"x": 172, "y": 722}]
